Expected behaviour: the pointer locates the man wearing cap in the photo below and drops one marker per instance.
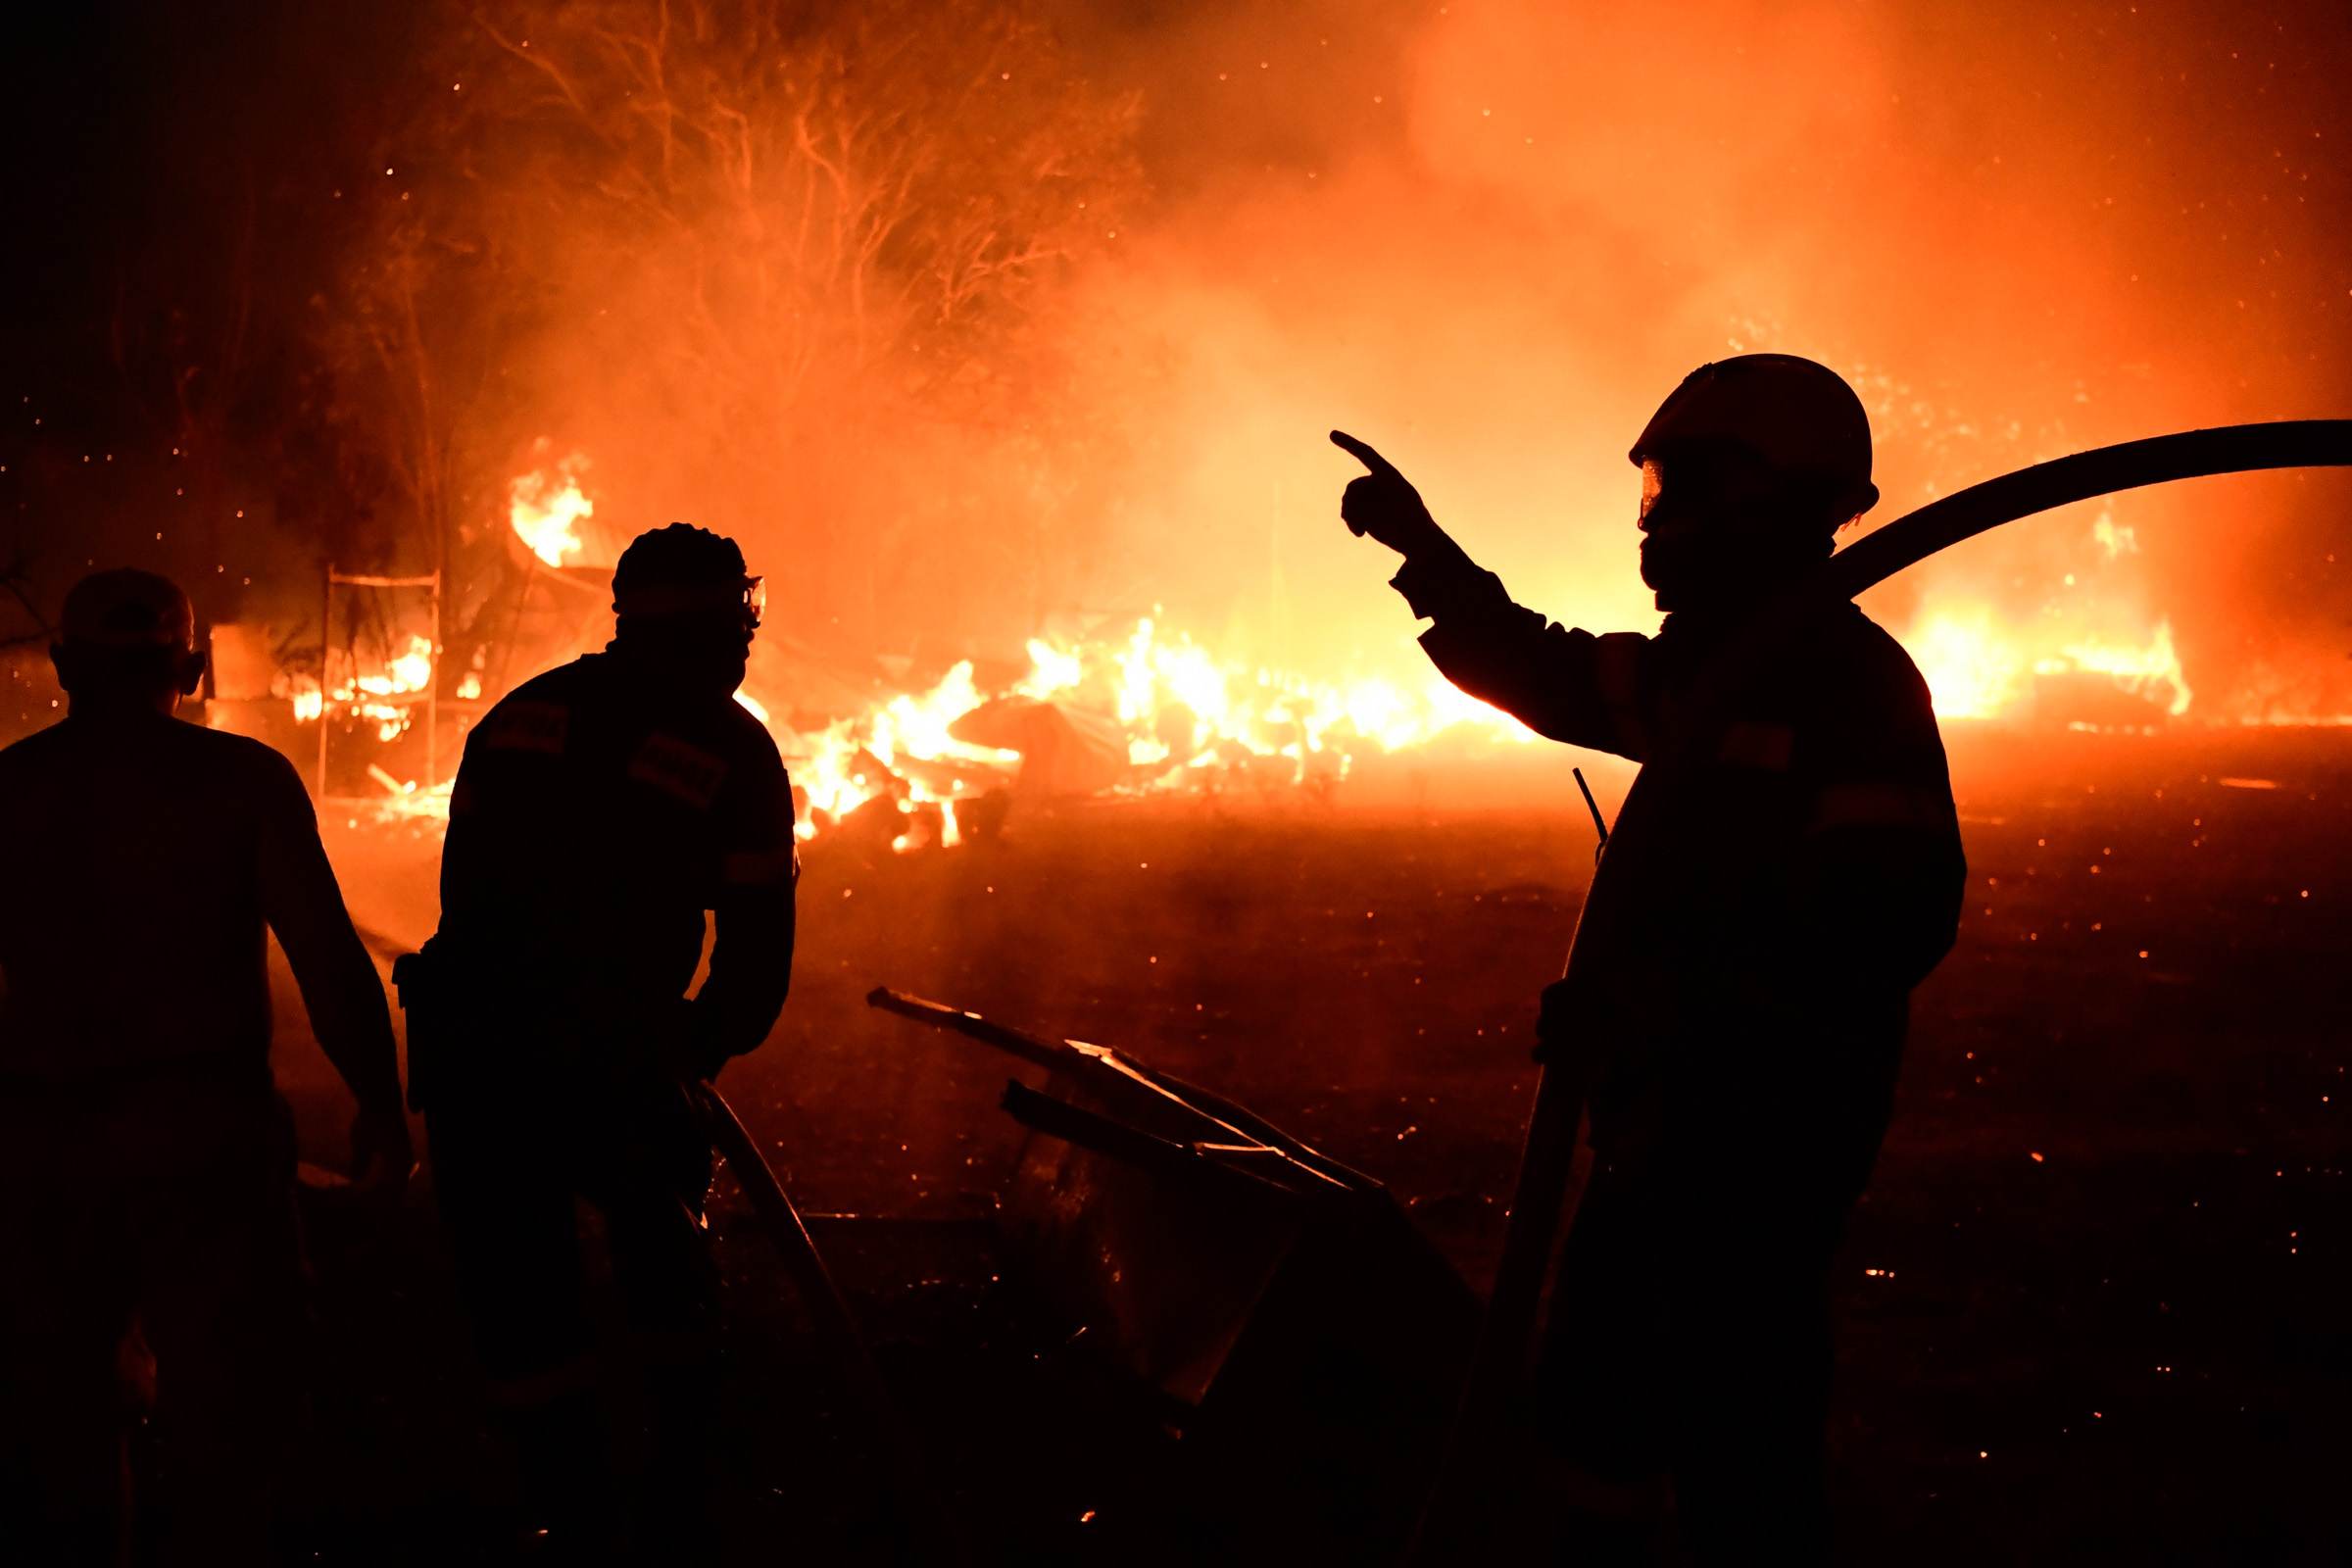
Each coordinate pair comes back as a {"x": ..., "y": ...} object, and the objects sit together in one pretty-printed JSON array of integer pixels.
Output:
[
  {"x": 1803, "y": 874},
  {"x": 146, "y": 1160},
  {"x": 602, "y": 809}
]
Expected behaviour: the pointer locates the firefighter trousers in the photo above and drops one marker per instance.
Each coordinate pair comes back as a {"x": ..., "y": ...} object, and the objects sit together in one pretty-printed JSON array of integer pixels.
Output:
[{"x": 509, "y": 1170}]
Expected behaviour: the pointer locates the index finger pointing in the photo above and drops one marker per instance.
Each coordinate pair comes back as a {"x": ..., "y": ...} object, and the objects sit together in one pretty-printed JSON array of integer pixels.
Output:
[{"x": 1361, "y": 452}]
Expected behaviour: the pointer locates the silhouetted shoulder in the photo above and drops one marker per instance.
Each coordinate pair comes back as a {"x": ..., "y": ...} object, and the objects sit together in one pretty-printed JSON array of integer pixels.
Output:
[
  {"x": 192, "y": 751},
  {"x": 1857, "y": 659},
  {"x": 22, "y": 765},
  {"x": 537, "y": 718},
  {"x": 246, "y": 771},
  {"x": 561, "y": 684},
  {"x": 220, "y": 748},
  {"x": 23, "y": 756},
  {"x": 747, "y": 739},
  {"x": 1863, "y": 711}
]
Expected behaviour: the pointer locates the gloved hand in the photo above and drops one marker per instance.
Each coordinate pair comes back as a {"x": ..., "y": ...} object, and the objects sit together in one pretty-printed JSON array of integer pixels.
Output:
[
  {"x": 382, "y": 1157},
  {"x": 1384, "y": 503}
]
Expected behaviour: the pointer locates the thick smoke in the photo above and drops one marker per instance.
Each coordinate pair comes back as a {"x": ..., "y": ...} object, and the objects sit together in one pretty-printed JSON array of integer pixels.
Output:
[
  {"x": 324, "y": 289},
  {"x": 1489, "y": 236}
]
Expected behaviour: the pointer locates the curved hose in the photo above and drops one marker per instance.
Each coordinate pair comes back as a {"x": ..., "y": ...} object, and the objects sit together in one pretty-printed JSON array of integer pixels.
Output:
[
  {"x": 2103, "y": 471},
  {"x": 1982, "y": 508}
]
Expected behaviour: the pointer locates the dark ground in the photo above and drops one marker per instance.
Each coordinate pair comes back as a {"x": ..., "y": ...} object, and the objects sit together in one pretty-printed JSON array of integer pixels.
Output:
[{"x": 2109, "y": 1317}]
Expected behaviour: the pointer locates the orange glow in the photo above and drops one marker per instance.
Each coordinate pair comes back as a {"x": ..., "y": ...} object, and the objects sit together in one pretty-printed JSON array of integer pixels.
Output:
[
  {"x": 369, "y": 696},
  {"x": 1976, "y": 666},
  {"x": 1183, "y": 717},
  {"x": 2152, "y": 671},
  {"x": 1049, "y": 319},
  {"x": 854, "y": 760},
  {"x": 1971, "y": 669},
  {"x": 545, "y": 507}
]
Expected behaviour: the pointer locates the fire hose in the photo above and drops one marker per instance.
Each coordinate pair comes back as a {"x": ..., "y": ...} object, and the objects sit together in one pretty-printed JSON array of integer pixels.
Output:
[
  {"x": 1540, "y": 1194},
  {"x": 920, "y": 1521}
]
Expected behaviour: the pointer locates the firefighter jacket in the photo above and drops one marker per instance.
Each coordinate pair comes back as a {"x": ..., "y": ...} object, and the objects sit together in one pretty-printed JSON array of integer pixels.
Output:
[
  {"x": 599, "y": 812},
  {"x": 1800, "y": 869}
]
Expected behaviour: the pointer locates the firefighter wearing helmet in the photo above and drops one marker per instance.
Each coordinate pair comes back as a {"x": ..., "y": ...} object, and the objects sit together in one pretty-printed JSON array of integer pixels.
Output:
[
  {"x": 146, "y": 1160},
  {"x": 1800, "y": 878},
  {"x": 601, "y": 811}
]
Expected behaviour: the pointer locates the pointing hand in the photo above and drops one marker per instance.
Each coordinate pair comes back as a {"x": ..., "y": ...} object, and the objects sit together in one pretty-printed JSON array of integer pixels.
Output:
[{"x": 1383, "y": 503}]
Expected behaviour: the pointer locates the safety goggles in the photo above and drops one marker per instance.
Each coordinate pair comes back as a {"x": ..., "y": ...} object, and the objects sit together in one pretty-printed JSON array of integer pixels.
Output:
[
  {"x": 1703, "y": 486},
  {"x": 749, "y": 595}
]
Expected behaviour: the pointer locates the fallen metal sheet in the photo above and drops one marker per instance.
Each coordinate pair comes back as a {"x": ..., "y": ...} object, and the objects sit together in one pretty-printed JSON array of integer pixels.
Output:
[{"x": 1311, "y": 1341}]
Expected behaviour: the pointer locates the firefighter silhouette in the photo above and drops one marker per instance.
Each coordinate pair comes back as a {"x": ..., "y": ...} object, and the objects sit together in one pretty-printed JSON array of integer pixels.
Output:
[
  {"x": 1801, "y": 875},
  {"x": 146, "y": 1160},
  {"x": 601, "y": 809}
]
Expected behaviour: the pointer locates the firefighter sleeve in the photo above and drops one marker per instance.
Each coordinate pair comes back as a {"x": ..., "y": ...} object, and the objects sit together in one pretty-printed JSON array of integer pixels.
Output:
[
  {"x": 1879, "y": 875},
  {"x": 1563, "y": 683},
  {"x": 752, "y": 908},
  {"x": 304, "y": 907}
]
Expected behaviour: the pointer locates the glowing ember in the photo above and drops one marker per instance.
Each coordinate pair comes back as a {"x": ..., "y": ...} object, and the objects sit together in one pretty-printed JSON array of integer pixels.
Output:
[{"x": 545, "y": 504}]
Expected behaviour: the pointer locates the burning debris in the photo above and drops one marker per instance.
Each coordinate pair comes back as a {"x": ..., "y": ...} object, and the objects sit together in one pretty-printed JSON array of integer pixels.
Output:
[
  {"x": 1145, "y": 713},
  {"x": 544, "y": 507},
  {"x": 1138, "y": 711},
  {"x": 370, "y": 697},
  {"x": 1132, "y": 707},
  {"x": 1979, "y": 669}
]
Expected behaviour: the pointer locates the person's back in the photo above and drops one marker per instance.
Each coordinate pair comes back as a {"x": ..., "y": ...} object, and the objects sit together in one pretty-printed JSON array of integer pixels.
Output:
[
  {"x": 147, "y": 840},
  {"x": 146, "y": 1162},
  {"x": 601, "y": 811}
]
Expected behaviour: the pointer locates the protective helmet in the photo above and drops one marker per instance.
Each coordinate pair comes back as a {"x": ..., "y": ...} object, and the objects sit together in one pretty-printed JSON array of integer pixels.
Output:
[
  {"x": 667, "y": 571},
  {"x": 126, "y": 608},
  {"x": 1799, "y": 415}
]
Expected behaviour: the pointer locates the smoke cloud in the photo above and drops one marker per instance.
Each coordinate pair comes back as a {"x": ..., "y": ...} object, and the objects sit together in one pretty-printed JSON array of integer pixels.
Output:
[
  {"x": 977, "y": 316},
  {"x": 1490, "y": 236}
]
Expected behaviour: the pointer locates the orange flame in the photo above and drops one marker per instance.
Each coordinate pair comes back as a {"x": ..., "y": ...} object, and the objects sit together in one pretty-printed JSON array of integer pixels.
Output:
[
  {"x": 1184, "y": 716},
  {"x": 544, "y": 505},
  {"x": 370, "y": 697},
  {"x": 1978, "y": 669}
]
